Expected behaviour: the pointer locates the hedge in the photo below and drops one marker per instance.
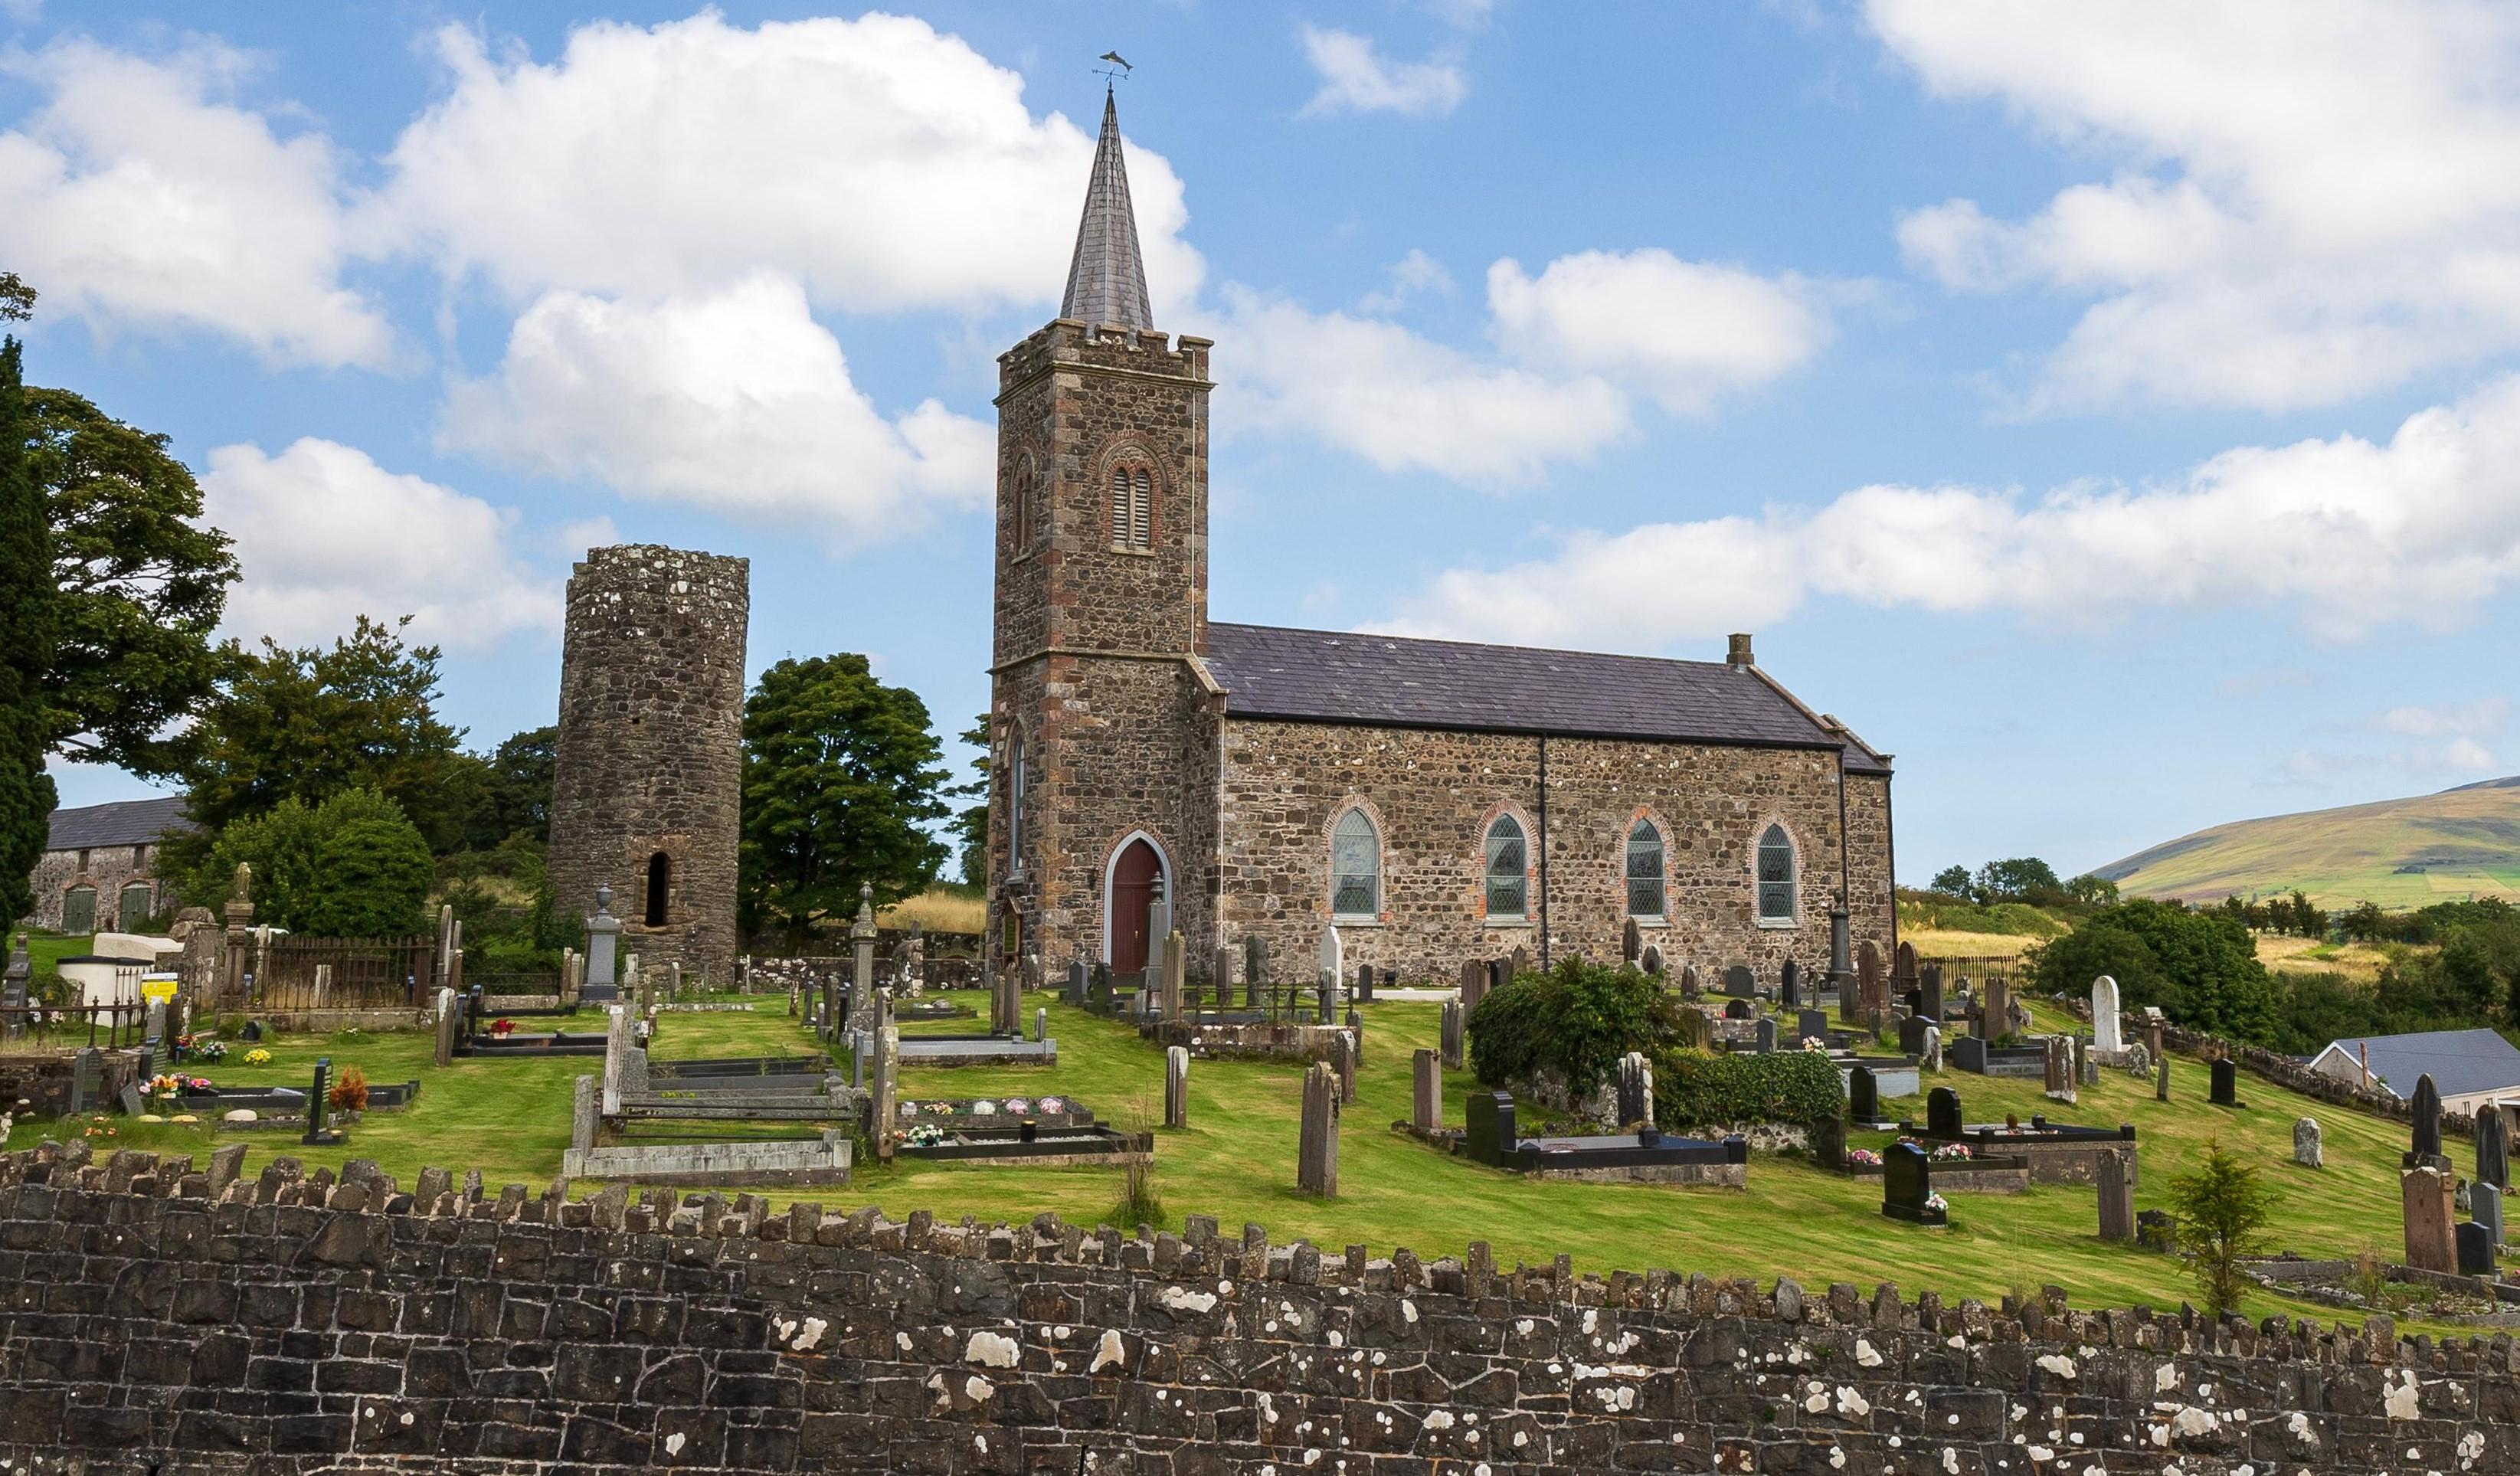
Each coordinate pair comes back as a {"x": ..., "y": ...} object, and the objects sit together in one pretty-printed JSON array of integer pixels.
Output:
[
  {"x": 1705, "y": 1089},
  {"x": 1574, "y": 1021}
]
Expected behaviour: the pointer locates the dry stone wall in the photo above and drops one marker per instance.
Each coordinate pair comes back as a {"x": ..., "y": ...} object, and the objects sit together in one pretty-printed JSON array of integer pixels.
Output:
[
  {"x": 651, "y": 751},
  {"x": 1432, "y": 795},
  {"x": 165, "y": 1320}
]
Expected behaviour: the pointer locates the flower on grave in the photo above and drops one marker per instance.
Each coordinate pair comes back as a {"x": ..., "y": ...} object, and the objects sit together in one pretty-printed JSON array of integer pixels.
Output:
[
  {"x": 926, "y": 1134},
  {"x": 257, "y": 1056},
  {"x": 1951, "y": 1151},
  {"x": 210, "y": 1050},
  {"x": 983, "y": 1108},
  {"x": 1054, "y": 1104},
  {"x": 1937, "y": 1202},
  {"x": 913, "y": 1109},
  {"x": 1863, "y": 1156},
  {"x": 1814, "y": 1043},
  {"x": 502, "y": 1027},
  {"x": 1016, "y": 1106}
]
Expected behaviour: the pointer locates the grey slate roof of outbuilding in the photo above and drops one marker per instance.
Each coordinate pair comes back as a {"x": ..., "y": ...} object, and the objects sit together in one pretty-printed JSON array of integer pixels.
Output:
[
  {"x": 1270, "y": 671},
  {"x": 124, "y": 823},
  {"x": 2462, "y": 1062}
]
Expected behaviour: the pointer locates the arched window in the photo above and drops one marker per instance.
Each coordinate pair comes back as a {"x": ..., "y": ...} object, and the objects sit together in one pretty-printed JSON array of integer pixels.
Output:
[
  {"x": 1775, "y": 875},
  {"x": 1508, "y": 878},
  {"x": 1356, "y": 868},
  {"x": 1644, "y": 870},
  {"x": 660, "y": 884},
  {"x": 1016, "y": 807},
  {"x": 1132, "y": 507},
  {"x": 1026, "y": 521}
]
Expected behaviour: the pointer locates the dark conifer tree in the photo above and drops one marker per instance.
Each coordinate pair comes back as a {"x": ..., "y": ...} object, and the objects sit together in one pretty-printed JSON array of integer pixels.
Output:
[{"x": 27, "y": 792}]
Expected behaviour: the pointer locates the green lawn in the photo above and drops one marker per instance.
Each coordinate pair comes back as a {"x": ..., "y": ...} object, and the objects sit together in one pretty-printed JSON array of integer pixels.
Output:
[{"x": 510, "y": 1118}]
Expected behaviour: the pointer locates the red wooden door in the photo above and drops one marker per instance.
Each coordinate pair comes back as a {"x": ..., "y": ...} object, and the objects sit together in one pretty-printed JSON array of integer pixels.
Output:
[{"x": 1135, "y": 880}]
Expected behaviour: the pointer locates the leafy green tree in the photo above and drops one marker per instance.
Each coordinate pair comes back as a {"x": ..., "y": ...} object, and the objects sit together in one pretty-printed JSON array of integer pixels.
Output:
[
  {"x": 511, "y": 791},
  {"x": 970, "y": 826},
  {"x": 354, "y": 865},
  {"x": 2023, "y": 878},
  {"x": 2201, "y": 969},
  {"x": 311, "y": 723},
  {"x": 17, "y": 300},
  {"x": 142, "y": 583},
  {"x": 2093, "y": 891},
  {"x": 27, "y": 644},
  {"x": 2222, "y": 1208},
  {"x": 1951, "y": 881},
  {"x": 841, "y": 776}
]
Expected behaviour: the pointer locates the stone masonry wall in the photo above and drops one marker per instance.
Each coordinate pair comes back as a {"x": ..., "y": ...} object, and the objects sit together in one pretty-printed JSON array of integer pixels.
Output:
[
  {"x": 650, "y": 748},
  {"x": 109, "y": 870},
  {"x": 154, "y": 1319},
  {"x": 1432, "y": 795}
]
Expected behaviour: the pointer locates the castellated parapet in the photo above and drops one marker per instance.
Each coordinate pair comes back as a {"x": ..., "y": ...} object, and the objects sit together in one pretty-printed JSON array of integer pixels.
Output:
[{"x": 646, "y": 784}]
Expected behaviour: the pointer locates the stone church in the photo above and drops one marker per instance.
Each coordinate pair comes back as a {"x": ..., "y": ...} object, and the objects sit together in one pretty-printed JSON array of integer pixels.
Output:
[{"x": 1435, "y": 800}]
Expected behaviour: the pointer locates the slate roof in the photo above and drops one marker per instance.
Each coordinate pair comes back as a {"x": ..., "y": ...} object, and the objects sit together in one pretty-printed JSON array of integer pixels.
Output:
[
  {"x": 125, "y": 823},
  {"x": 2461, "y": 1061},
  {"x": 1270, "y": 671},
  {"x": 1106, "y": 279}
]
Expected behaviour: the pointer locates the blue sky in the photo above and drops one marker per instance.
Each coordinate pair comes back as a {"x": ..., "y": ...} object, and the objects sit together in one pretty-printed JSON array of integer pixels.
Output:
[{"x": 2111, "y": 413}]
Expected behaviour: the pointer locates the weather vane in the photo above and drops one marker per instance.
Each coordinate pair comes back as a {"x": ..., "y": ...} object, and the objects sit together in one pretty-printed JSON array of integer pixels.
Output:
[{"x": 1118, "y": 71}]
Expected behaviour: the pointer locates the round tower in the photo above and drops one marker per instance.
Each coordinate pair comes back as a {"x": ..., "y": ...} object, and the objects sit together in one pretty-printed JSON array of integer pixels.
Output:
[{"x": 647, "y": 780}]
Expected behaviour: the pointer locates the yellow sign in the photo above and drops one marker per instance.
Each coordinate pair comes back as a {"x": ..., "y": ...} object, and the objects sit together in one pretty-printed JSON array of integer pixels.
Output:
[{"x": 160, "y": 990}]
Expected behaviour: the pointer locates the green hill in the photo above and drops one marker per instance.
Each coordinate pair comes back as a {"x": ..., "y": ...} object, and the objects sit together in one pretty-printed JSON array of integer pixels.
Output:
[{"x": 2400, "y": 853}]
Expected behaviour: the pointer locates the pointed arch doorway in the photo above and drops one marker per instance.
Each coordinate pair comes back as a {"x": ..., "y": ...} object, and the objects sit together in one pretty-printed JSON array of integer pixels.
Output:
[{"x": 1136, "y": 879}]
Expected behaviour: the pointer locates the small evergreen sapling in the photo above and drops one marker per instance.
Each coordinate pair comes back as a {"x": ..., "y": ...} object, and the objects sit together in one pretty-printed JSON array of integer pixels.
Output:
[{"x": 2221, "y": 1207}]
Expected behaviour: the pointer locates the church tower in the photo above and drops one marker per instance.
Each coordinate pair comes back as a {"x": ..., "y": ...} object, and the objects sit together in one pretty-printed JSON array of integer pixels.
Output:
[{"x": 1101, "y": 811}]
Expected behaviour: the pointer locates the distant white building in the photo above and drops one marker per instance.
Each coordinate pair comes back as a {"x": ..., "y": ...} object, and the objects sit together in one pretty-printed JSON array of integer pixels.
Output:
[{"x": 2472, "y": 1069}]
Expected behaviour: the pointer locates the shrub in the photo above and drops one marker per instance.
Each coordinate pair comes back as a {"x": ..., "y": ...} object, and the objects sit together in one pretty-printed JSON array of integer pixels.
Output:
[
  {"x": 350, "y": 1093},
  {"x": 2201, "y": 969},
  {"x": 2221, "y": 1207},
  {"x": 351, "y": 867},
  {"x": 1575, "y": 1021},
  {"x": 1702, "y": 1088}
]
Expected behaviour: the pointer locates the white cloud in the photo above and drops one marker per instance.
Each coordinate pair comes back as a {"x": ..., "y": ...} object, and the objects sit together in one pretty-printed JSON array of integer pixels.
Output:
[
  {"x": 2484, "y": 717},
  {"x": 1411, "y": 276},
  {"x": 2346, "y": 534},
  {"x": 2467, "y": 754},
  {"x": 135, "y": 195},
  {"x": 324, "y": 534},
  {"x": 734, "y": 400},
  {"x": 881, "y": 164},
  {"x": 1681, "y": 331},
  {"x": 1401, "y": 402},
  {"x": 2307, "y": 202},
  {"x": 1355, "y": 79}
]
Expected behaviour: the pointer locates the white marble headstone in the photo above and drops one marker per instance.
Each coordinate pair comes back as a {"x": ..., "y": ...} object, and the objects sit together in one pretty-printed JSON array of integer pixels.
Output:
[
  {"x": 2104, "y": 1015},
  {"x": 1333, "y": 956}
]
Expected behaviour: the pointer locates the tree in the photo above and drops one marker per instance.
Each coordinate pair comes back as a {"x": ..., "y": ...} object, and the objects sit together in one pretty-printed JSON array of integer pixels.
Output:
[
  {"x": 142, "y": 584},
  {"x": 970, "y": 826},
  {"x": 311, "y": 723},
  {"x": 512, "y": 785},
  {"x": 2221, "y": 1207},
  {"x": 1951, "y": 881},
  {"x": 2201, "y": 969},
  {"x": 17, "y": 300},
  {"x": 26, "y": 644},
  {"x": 840, "y": 780},
  {"x": 2020, "y": 880},
  {"x": 2093, "y": 891},
  {"x": 354, "y": 865}
]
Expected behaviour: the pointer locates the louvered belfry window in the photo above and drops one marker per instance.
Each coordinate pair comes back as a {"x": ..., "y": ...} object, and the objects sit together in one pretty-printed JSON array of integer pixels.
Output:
[
  {"x": 1132, "y": 507},
  {"x": 1356, "y": 868},
  {"x": 1775, "y": 875},
  {"x": 1507, "y": 882},
  {"x": 1644, "y": 870}
]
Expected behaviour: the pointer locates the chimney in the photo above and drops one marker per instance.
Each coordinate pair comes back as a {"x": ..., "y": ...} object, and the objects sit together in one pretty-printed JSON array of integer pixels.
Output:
[{"x": 1740, "y": 655}]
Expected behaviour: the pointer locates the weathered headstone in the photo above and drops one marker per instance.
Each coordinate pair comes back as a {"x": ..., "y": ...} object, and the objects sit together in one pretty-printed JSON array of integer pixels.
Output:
[
  {"x": 1790, "y": 986},
  {"x": 2475, "y": 1250},
  {"x": 1635, "y": 1090},
  {"x": 1689, "y": 987},
  {"x": 2425, "y": 1195},
  {"x": 603, "y": 945},
  {"x": 1904, "y": 966},
  {"x": 1176, "y": 1087},
  {"x": 1427, "y": 1092},
  {"x": 1651, "y": 962},
  {"x": 2104, "y": 1015},
  {"x": 1077, "y": 978},
  {"x": 1739, "y": 983},
  {"x": 2426, "y": 1133},
  {"x": 1632, "y": 942},
  {"x": 1828, "y": 1143},
  {"x": 1995, "y": 1010},
  {"x": 2485, "y": 1207},
  {"x": 1943, "y": 1113},
  {"x": 1907, "y": 1185},
  {"x": 1317, "y": 1144},
  {"x": 1365, "y": 984},
  {"x": 2161, "y": 1079},
  {"x": 1812, "y": 1025},
  {"x": 1176, "y": 977},
  {"x": 2226, "y": 1092},
  {"x": 1333, "y": 956},
  {"x": 1863, "y": 1096},
  {"x": 2493, "y": 1148},
  {"x": 1911, "y": 1035},
  {"x": 883, "y": 1109},
  {"x": 1739, "y": 1010},
  {"x": 861, "y": 1016},
  {"x": 87, "y": 1080},
  {"x": 2061, "y": 1069},
  {"x": 319, "y": 1101},
  {"x": 1040, "y": 1024},
  {"x": 15, "y": 980},
  {"x": 446, "y": 1013},
  {"x": 1488, "y": 1134},
  {"x": 1517, "y": 963},
  {"x": 2117, "y": 1199},
  {"x": 1696, "y": 1031},
  {"x": 1929, "y": 989},
  {"x": 2305, "y": 1144},
  {"x": 1451, "y": 1037},
  {"x": 2087, "y": 1063},
  {"x": 1475, "y": 980},
  {"x": 1762, "y": 1036},
  {"x": 1872, "y": 991},
  {"x": 1500, "y": 971},
  {"x": 1929, "y": 1054},
  {"x": 1968, "y": 1053}
]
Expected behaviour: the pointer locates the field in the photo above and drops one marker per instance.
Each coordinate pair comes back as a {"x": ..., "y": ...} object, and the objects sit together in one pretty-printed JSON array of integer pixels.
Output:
[
  {"x": 2398, "y": 853},
  {"x": 510, "y": 1118},
  {"x": 939, "y": 910}
]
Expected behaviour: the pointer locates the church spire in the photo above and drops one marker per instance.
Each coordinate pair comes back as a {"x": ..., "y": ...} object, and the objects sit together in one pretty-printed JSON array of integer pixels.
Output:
[{"x": 1106, "y": 280}]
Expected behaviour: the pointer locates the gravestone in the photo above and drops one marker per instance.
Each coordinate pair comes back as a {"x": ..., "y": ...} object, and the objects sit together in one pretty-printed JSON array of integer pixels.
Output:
[
  {"x": 1040, "y": 1026},
  {"x": 1330, "y": 991},
  {"x": 2061, "y": 1069},
  {"x": 130, "y": 1099},
  {"x": 1176, "y": 1087},
  {"x": 2104, "y": 1015},
  {"x": 1872, "y": 992},
  {"x": 1863, "y": 1096},
  {"x": 13, "y": 983},
  {"x": 1426, "y": 1092},
  {"x": 2425, "y": 1195},
  {"x": 2426, "y": 1132},
  {"x": 1175, "y": 975},
  {"x": 2087, "y": 1063},
  {"x": 1931, "y": 1056},
  {"x": 155, "y": 1028},
  {"x": 2226, "y": 1092},
  {"x": 1636, "y": 1091},
  {"x": 1475, "y": 980},
  {"x": 1789, "y": 990},
  {"x": 319, "y": 1101},
  {"x": 1317, "y": 1142},
  {"x": 1911, "y": 1035},
  {"x": 1500, "y": 971},
  {"x": 446, "y": 1012},
  {"x": 1488, "y": 1134},
  {"x": 884, "y": 1109},
  {"x": 1689, "y": 987},
  {"x": 2305, "y": 1144},
  {"x": 1696, "y": 1032},
  {"x": 1451, "y": 1037},
  {"x": 1904, "y": 965},
  {"x": 1739, "y": 983},
  {"x": 602, "y": 944},
  {"x": 1078, "y": 977},
  {"x": 2117, "y": 1199},
  {"x": 1907, "y": 1185},
  {"x": 1652, "y": 961},
  {"x": 1739, "y": 1010},
  {"x": 1632, "y": 942},
  {"x": 1255, "y": 968},
  {"x": 862, "y": 1011},
  {"x": 1812, "y": 1025},
  {"x": 1943, "y": 1113},
  {"x": 1828, "y": 1143},
  {"x": 1995, "y": 1010},
  {"x": 1365, "y": 983},
  {"x": 2161, "y": 1079},
  {"x": 1332, "y": 958},
  {"x": 2475, "y": 1249},
  {"x": 87, "y": 1080},
  {"x": 2485, "y": 1207},
  {"x": 1968, "y": 1053},
  {"x": 1929, "y": 991},
  {"x": 2493, "y": 1148},
  {"x": 1343, "y": 1053},
  {"x": 1517, "y": 963},
  {"x": 1763, "y": 1038}
]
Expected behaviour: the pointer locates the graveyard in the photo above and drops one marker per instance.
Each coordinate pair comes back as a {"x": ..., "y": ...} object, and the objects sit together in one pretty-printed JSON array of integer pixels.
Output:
[{"x": 1235, "y": 1158}]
